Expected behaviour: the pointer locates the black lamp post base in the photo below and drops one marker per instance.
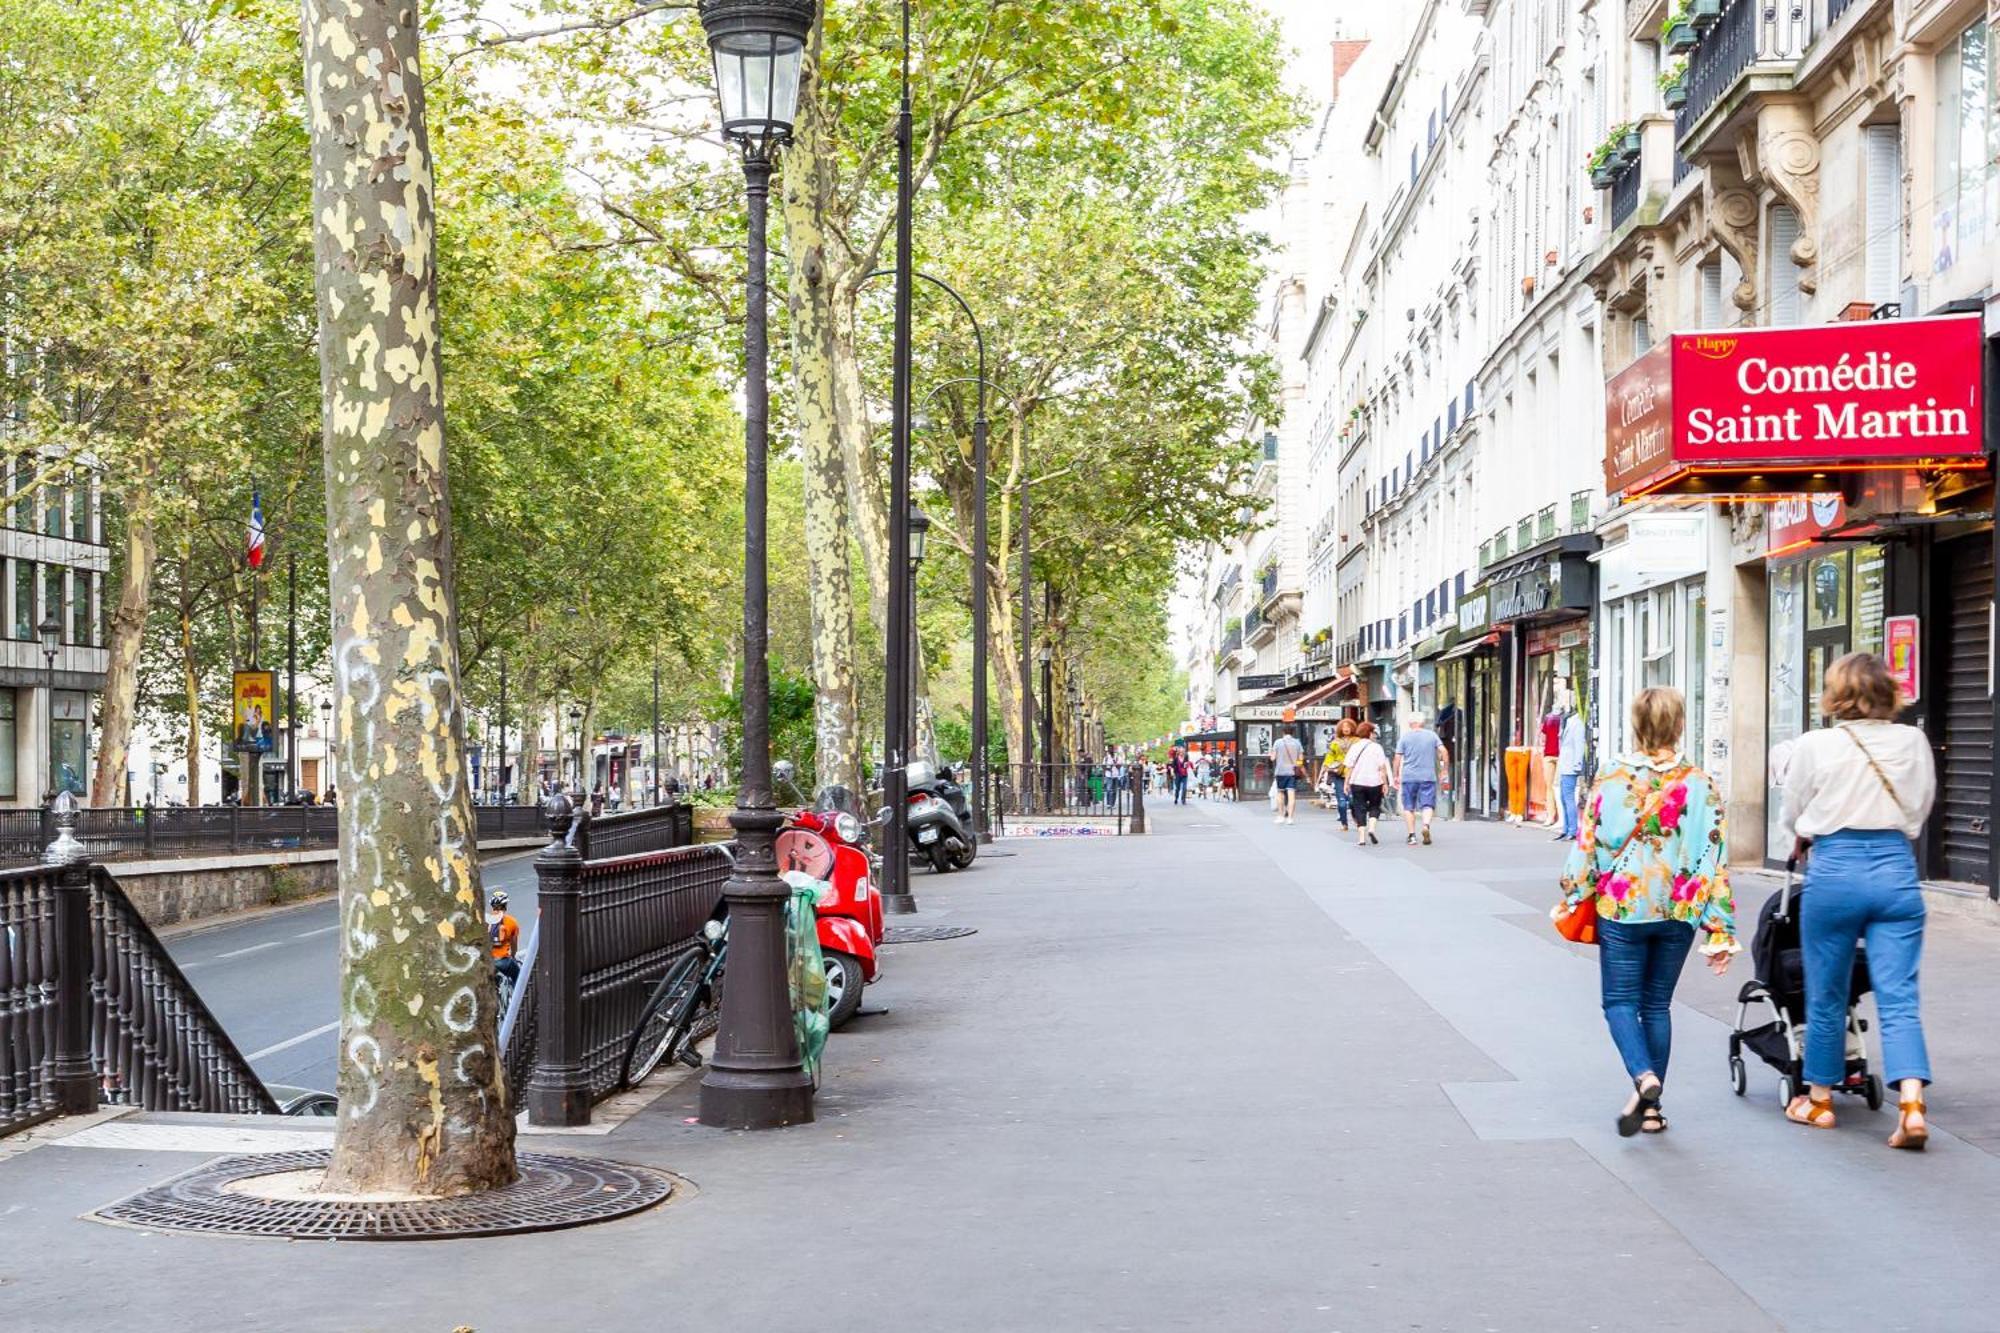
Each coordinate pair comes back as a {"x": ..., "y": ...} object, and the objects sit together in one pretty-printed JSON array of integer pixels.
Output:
[
  {"x": 899, "y": 904},
  {"x": 755, "y": 1099}
]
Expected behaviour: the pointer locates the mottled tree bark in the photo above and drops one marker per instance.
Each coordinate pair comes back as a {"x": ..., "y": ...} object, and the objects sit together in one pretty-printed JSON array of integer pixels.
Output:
[
  {"x": 836, "y": 720},
  {"x": 421, "y": 1102},
  {"x": 191, "y": 683},
  {"x": 126, "y": 634}
]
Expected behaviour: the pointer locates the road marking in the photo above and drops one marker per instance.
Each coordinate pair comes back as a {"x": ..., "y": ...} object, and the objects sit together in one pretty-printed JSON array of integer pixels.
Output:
[
  {"x": 286, "y": 1045},
  {"x": 308, "y": 934},
  {"x": 238, "y": 953}
]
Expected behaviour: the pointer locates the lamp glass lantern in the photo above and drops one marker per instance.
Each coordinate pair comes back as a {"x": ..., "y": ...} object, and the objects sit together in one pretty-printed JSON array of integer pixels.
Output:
[
  {"x": 758, "y": 47},
  {"x": 920, "y": 528},
  {"x": 51, "y": 634}
]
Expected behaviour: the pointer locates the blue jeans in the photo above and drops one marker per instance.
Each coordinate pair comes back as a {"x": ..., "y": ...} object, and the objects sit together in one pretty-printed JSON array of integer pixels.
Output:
[
  {"x": 1180, "y": 789},
  {"x": 1341, "y": 801},
  {"x": 1638, "y": 965},
  {"x": 1862, "y": 884},
  {"x": 1569, "y": 781}
]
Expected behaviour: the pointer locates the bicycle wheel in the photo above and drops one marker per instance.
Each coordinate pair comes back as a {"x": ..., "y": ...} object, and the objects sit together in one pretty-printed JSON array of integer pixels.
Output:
[{"x": 664, "y": 1022}]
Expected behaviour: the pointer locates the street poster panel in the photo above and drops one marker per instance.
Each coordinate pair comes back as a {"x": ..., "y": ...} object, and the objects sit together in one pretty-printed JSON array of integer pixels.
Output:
[
  {"x": 1901, "y": 636},
  {"x": 254, "y": 695}
]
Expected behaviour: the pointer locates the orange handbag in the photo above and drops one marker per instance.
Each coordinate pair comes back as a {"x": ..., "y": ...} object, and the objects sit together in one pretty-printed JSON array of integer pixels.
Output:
[{"x": 1580, "y": 926}]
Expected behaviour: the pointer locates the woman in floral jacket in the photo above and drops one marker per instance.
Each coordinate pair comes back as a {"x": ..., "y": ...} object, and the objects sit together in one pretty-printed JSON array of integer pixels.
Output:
[{"x": 1652, "y": 857}]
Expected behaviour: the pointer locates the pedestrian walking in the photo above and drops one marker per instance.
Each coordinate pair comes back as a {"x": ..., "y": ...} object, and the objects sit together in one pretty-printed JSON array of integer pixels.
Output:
[
  {"x": 1569, "y": 771},
  {"x": 1651, "y": 862},
  {"x": 1179, "y": 769},
  {"x": 1288, "y": 761},
  {"x": 1367, "y": 780},
  {"x": 1334, "y": 774},
  {"x": 1204, "y": 777},
  {"x": 1229, "y": 780},
  {"x": 1420, "y": 754},
  {"x": 1856, "y": 793}
]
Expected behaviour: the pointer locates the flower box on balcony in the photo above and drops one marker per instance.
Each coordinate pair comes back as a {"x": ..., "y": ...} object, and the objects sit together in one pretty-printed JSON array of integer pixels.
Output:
[
  {"x": 1704, "y": 13},
  {"x": 1680, "y": 36},
  {"x": 1674, "y": 96},
  {"x": 1628, "y": 145},
  {"x": 1602, "y": 176}
]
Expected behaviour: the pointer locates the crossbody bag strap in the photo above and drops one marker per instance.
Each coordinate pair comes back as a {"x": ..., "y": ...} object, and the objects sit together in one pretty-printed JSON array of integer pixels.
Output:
[
  {"x": 1876, "y": 769},
  {"x": 1654, "y": 804}
]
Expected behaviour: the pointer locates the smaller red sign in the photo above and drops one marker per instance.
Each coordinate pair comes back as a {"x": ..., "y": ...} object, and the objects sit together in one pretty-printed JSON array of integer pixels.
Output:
[
  {"x": 1900, "y": 637},
  {"x": 1797, "y": 519}
]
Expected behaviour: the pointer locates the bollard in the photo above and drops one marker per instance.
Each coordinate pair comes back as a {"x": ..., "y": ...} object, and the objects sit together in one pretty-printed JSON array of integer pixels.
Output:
[
  {"x": 71, "y": 1068},
  {"x": 1135, "y": 778},
  {"x": 558, "y": 1090}
]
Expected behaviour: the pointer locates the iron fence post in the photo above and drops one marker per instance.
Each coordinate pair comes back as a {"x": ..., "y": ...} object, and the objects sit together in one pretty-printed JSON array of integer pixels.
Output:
[
  {"x": 1135, "y": 778},
  {"x": 558, "y": 1089},
  {"x": 71, "y": 1070},
  {"x": 149, "y": 830},
  {"x": 235, "y": 828}
]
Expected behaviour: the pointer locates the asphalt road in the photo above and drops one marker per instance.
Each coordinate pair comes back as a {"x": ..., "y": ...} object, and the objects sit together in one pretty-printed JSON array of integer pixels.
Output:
[{"x": 273, "y": 979}]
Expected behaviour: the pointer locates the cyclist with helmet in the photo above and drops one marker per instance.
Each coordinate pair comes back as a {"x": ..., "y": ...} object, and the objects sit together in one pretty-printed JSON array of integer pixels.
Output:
[{"x": 505, "y": 934}]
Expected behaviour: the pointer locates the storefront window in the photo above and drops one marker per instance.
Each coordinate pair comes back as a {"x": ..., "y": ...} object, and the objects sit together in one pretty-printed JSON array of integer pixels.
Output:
[
  {"x": 68, "y": 743},
  {"x": 1964, "y": 149},
  {"x": 1787, "y": 685},
  {"x": 8, "y": 789},
  {"x": 1696, "y": 637}
]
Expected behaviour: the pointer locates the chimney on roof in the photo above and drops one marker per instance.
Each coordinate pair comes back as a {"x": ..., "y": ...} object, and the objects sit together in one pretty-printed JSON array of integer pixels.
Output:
[{"x": 1345, "y": 53}]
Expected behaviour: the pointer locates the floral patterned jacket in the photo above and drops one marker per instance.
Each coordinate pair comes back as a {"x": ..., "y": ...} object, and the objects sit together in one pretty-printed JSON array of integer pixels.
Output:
[{"x": 1675, "y": 868}]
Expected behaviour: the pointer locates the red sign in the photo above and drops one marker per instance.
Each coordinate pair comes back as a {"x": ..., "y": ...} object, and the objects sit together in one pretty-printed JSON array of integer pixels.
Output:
[
  {"x": 1828, "y": 398},
  {"x": 1899, "y": 644},
  {"x": 1796, "y": 519}
]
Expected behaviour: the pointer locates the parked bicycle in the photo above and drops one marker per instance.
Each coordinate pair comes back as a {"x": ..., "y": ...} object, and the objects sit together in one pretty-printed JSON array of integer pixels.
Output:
[{"x": 691, "y": 988}]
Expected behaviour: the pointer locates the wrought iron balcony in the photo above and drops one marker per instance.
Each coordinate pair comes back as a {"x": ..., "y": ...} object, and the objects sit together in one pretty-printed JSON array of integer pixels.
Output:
[
  {"x": 1746, "y": 33},
  {"x": 1625, "y": 191}
]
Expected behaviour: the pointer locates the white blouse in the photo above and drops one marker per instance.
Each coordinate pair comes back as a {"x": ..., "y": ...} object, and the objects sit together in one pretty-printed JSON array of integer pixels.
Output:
[
  {"x": 1368, "y": 766},
  {"x": 1830, "y": 785}
]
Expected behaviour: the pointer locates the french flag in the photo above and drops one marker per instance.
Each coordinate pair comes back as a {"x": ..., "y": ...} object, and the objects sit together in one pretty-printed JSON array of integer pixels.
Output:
[{"x": 256, "y": 552}]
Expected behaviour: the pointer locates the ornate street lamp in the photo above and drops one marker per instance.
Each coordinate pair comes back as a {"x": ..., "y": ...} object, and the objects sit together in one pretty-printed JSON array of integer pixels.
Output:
[
  {"x": 51, "y": 635},
  {"x": 755, "y": 1079},
  {"x": 920, "y": 531}
]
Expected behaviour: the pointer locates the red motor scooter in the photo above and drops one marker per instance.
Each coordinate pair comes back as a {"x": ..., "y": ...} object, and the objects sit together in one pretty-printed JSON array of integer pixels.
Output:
[{"x": 828, "y": 841}]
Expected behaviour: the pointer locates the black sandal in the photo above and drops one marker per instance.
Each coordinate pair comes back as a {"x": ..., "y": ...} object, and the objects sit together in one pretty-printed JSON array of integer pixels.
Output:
[
  {"x": 1629, "y": 1121},
  {"x": 1654, "y": 1121}
]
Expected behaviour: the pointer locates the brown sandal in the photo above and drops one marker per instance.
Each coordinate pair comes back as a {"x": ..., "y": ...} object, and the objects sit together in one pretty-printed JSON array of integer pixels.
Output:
[
  {"x": 1817, "y": 1114},
  {"x": 1913, "y": 1137}
]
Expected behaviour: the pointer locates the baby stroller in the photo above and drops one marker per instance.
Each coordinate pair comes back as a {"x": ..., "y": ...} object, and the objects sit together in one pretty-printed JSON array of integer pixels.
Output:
[{"x": 1779, "y": 985}]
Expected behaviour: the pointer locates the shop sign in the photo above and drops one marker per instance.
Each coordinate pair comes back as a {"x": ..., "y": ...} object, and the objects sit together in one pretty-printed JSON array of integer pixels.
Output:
[
  {"x": 1797, "y": 519},
  {"x": 1638, "y": 424},
  {"x": 1900, "y": 638},
  {"x": 1522, "y": 595},
  {"x": 1472, "y": 613},
  {"x": 1287, "y": 713},
  {"x": 1658, "y": 548},
  {"x": 1270, "y": 682},
  {"x": 1833, "y": 397}
]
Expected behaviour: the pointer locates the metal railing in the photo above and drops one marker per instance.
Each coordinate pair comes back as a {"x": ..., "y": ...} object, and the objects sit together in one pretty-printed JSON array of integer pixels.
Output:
[
  {"x": 1625, "y": 191},
  {"x": 1724, "y": 52},
  {"x": 125, "y": 833},
  {"x": 607, "y": 931},
  {"x": 1070, "y": 791},
  {"x": 658, "y": 829},
  {"x": 94, "y": 1011}
]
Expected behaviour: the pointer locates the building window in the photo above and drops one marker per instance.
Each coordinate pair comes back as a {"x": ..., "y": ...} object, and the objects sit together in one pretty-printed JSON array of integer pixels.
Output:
[
  {"x": 1882, "y": 150},
  {"x": 24, "y": 501},
  {"x": 1642, "y": 336},
  {"x": 1711, "y": 294},
  {"x": 8, "y": 787},
  {"x": 79, "y": 607},
  {"x": 52, "y": 594},
  {"x": 52, "y": 513},
  {"x": 24, "y": 599},
  {"x": 68, "y": 742},
  {"x": 1964, "y": 147},
  {"x": 1787, "y": 300},
  {"x": 79, "y": 506}
]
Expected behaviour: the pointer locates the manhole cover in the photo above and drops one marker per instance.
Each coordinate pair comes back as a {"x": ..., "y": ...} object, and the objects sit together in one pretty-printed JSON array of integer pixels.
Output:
[
  {"x": 925, "y": 934},
  {"x": 250, "y": 1196}
]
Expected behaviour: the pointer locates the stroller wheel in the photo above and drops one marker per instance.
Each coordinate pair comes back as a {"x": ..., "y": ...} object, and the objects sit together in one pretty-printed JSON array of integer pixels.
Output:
[
  {"x": 1872, "y": 1092},
  {"x": 1787, "y": 1090},
  {"x": 1739, "y": 1077}
]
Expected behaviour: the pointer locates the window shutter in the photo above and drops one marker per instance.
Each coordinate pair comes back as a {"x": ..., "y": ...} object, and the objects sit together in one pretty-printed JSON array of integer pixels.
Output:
[
  {"x": 1711, "y": 295},
  {"x": 1882, "y": 145},
  {"x": 1786, "y": 299}
]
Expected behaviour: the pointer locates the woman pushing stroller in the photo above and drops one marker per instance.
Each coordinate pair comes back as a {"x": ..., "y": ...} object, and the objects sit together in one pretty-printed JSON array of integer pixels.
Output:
[{"x": 1856, "y": 793}]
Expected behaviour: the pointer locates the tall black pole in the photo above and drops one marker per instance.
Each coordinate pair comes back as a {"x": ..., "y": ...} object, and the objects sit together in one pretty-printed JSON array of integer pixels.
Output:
[
  {"x": 1048, "y": 680},
  {"x": 503, "y": 730},
  {"x": 656, "y": 729},
  {"x": 896, "y": 711},
  {"x": 1027, "y": 755},
  {"x": 981, "y": 829},
  {"x": 291, "y": 675},
  {"x": 754, "y": 1079}
]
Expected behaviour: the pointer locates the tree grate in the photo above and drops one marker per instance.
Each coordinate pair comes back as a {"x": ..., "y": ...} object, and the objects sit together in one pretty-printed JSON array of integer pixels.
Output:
[
  {"x": 925, "y": 934},
  {"x": 552, "y": 1193}
]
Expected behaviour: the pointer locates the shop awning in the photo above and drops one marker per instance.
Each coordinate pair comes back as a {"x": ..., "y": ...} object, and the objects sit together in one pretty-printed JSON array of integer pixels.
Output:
[
  {"x": 1471, "y": 646},
  {"x": 1767, "y": 412}
]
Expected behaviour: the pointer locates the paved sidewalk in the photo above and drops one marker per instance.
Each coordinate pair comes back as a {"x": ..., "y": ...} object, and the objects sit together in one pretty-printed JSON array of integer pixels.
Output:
[{"x": 1228, "y": 1076}]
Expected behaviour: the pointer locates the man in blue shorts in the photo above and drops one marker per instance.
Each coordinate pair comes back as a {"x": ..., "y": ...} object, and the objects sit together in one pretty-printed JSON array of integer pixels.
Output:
[{"x": 1419, "y": 757}]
